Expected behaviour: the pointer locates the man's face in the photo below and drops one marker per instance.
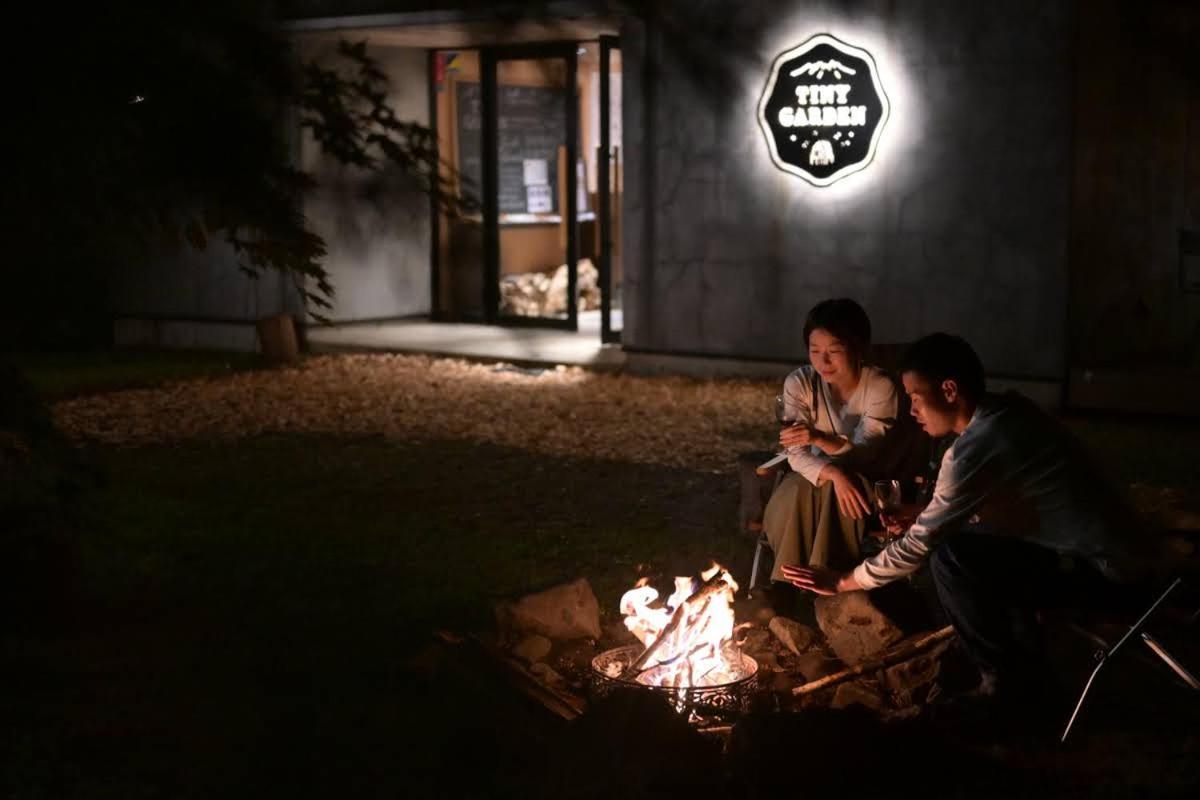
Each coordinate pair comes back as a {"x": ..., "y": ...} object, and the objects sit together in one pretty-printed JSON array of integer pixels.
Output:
[{"x": 934, "y": 407}]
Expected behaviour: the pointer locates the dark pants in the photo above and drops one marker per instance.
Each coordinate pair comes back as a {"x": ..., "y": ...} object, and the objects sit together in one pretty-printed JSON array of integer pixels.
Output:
[{"x": 991, "y": 588}]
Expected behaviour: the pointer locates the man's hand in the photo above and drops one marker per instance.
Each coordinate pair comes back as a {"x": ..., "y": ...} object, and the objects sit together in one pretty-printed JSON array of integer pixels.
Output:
[
  {"x": 900, "y": 519},
  {"x": 819, "y": 580}
]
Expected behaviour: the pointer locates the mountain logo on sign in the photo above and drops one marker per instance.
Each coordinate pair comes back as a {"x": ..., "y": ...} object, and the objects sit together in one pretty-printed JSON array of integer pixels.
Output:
[{"x": 823, "y": 110}]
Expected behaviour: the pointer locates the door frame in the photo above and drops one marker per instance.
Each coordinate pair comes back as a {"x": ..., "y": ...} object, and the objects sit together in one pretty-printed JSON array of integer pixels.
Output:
[
  {"x": 604, "y": 190},
  {"x": 488, "y": 60}
]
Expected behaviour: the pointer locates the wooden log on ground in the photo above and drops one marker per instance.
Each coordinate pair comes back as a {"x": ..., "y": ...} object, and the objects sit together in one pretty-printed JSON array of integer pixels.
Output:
[
  {"x": 903, "y": 652},
  {"x": 514, "y": 674}
]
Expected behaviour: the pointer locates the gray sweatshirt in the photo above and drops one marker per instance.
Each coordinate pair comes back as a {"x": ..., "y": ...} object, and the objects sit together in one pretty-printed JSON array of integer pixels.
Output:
[{"x": 1015, "y": 471}]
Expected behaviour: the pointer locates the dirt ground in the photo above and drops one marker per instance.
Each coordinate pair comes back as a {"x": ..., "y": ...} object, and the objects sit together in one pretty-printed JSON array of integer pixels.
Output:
[
  {"x": 670, "y": 422},
  {"x": 272, "y": 551}
]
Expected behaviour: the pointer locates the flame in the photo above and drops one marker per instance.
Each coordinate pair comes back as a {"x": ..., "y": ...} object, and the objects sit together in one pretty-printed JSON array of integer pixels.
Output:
[{"x": 697, "y": 622}]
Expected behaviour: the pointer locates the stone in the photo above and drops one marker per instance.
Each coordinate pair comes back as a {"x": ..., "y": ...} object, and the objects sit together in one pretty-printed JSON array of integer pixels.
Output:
[
  {"x": 814, "y": 664},
  {"x": 782, "y": 682},
  {"x": 756, "y": 642},
  {"x": 854, "y": 627},
  {"x": 791, "y": 634},
  {"x": 533, "y": 648},
  {"x": 901, "y": 715},
  {"x": 569, "y": 611},
  {"x": 616, "y": 634},
  {"x": 857, "y": 693},
  {"x": 764, "y": 615},
  {"x": 767, "y": 660},
  {"x": 903, "y": 678}
]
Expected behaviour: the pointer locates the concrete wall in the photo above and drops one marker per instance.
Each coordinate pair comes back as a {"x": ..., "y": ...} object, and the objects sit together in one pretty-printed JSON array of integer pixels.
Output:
[
  {"x": 213, "y": 303},
  {"x": 1137, "y": 186},
  {"x": 960, "y": 224},
  {"x": 376, "y": 225}
]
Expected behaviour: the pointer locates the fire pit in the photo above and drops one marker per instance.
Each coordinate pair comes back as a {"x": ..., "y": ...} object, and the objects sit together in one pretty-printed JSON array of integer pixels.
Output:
[
  {"x": 688, "y": 653},
  {"x": 701, "y": 705}
]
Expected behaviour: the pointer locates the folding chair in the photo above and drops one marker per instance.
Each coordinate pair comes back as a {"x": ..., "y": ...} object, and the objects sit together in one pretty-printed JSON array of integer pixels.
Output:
[
  {"x": 1104, "y": 655},
  {"x": 770, "y": 473},
  {"x": 759, "y": 481}
]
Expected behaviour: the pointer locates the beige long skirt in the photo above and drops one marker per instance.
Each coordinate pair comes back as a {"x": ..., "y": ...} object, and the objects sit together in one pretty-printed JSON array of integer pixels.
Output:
[{"x": 805, "y": 526}]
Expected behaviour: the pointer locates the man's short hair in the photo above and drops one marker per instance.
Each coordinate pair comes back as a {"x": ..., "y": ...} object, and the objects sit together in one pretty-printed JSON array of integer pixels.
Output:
[
  {"x": 941, "y": 356},
  {"x": 846, "y": 320}
]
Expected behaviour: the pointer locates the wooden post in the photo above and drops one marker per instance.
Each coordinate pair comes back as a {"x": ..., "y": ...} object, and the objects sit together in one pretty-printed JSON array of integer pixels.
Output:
[
  {"x": 562, "y": 198},
  {"x": 277, "y": 338}
]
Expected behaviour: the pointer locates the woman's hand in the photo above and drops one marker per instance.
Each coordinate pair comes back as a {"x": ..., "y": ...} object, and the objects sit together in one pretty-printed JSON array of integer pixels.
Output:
[
  {"x": 799, "y": 434},
  {"x": 851, "y": 500}
]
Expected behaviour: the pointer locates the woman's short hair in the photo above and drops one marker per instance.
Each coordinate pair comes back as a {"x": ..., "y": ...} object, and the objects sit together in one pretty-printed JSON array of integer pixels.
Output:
[
  {"x": 846, "y": 321},
  {"x": 939, "y": 357}
]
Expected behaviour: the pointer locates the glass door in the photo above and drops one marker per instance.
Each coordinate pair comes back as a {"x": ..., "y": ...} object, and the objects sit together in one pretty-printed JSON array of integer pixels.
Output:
[
  {"x": 530, "y": 189},
  {"x": 609, "y": 184}
]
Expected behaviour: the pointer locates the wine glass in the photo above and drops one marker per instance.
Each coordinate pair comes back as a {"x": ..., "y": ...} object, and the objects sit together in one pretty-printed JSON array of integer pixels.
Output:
[
  {"x": 887, "y": 496},
  {"x": 783, "y": 417},
  {"x": 781, "y": 412}
]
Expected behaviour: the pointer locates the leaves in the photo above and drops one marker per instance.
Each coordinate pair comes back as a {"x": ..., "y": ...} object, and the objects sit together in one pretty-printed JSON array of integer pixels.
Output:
[{"x": 206, "y": 153}]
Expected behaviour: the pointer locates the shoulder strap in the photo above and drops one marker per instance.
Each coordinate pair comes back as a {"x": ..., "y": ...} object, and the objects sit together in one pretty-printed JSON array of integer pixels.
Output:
[{"x": 819, "y": 399}]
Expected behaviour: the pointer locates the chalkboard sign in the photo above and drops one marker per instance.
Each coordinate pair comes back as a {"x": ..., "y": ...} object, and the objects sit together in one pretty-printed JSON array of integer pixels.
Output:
[{"x": 531, "y": 125}]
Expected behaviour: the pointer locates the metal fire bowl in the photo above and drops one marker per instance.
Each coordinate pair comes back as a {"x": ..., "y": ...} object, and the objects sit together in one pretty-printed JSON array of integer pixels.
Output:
[{"x": 701, "y": 705}]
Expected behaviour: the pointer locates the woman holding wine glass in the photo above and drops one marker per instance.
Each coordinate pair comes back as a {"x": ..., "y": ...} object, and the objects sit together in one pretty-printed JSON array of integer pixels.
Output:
[{"x": 836, "y": 415}]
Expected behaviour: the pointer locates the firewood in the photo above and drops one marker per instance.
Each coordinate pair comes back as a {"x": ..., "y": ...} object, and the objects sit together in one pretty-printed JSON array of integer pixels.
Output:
[
  {"x": 903, "y": 652},
  {"x": 693, "y": 606},
  {"x": 518, "y": 677}
]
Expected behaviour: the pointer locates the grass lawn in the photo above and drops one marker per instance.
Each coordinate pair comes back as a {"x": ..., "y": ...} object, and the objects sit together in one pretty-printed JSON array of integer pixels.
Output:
[
  {"x": 60, "y": 375},
  {"x": 247, "y": 611},
  {"x": 249, "y": 615}
]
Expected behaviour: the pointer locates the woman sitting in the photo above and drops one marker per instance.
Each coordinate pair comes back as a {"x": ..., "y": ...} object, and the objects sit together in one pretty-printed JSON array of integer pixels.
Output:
[{"x": 843, "y": 412}]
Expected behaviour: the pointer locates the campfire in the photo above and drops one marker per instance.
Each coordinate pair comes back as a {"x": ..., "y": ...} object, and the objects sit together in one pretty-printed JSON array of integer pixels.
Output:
[
  {"x": 685, "y": 647},
  {"x": 688, "y": 649}
]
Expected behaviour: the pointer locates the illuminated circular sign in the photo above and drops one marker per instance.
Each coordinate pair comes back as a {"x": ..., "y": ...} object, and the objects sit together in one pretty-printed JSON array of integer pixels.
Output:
[{"x": 823, "y": 110}]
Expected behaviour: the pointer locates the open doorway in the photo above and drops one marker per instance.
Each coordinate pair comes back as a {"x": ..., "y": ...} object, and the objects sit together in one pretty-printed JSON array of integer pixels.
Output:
[{"x": 545, "y": 249}]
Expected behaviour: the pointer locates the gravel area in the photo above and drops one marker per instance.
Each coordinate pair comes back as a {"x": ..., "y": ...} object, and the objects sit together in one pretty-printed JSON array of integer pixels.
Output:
[{"x": 673, "y": 422}]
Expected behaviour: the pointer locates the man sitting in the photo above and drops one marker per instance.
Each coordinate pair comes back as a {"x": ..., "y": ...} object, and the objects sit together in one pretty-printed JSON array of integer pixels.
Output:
[{"x": 1016, "y": 494}]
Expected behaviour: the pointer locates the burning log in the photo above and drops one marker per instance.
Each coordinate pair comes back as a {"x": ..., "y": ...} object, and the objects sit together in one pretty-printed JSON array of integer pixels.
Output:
[
  {"x": 690, "y": 610},
  {"x": 887, "y": 659}
]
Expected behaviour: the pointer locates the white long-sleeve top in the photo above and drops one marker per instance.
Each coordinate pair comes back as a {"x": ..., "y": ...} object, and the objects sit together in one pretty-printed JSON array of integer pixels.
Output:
[
  {"x": 1021, "y": 474},
  {"x": 860, "y": 422}
]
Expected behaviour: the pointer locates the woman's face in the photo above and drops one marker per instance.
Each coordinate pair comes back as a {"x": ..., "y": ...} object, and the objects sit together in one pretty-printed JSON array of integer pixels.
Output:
[{"x": 830, "y": 357}]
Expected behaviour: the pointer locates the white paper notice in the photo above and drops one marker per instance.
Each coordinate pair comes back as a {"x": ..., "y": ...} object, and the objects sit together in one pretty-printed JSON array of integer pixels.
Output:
[
  {"x": 535, "y": 172},
  {"x": 537, "y": 198}
]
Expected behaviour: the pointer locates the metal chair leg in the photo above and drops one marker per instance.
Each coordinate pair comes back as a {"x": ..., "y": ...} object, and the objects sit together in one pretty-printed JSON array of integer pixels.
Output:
[
  {"x": 1102, "y": 656},
  {"x": 1170, "y": 661},
  {"x": 758, "y": 548}
]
